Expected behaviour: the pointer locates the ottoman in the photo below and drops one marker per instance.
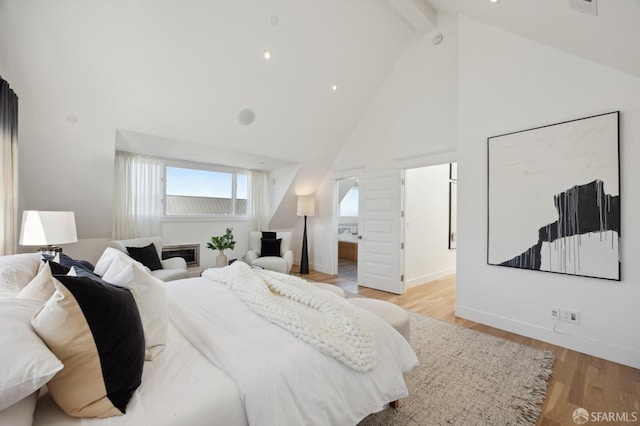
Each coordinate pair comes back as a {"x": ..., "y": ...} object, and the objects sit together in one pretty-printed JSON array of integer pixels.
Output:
[{"x": 397, "y": 317}]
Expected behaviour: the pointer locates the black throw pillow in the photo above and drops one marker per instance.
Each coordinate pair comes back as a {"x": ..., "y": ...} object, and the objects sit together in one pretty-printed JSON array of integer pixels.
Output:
[
  {"x": 84, "y": 273},
  {"x": 57, "y": 269},
  {"x": 148, "y": 256},
  {"x": 69, "y": 262},
  {"x": 104, "y": 324},
  {"x": 269, "y": 235},
  {"x": 270, "y": 247}
]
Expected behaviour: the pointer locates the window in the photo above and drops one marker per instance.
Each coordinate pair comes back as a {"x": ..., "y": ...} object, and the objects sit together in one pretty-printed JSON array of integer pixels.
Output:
[
  {"x": 201, "y": 192},
  {"x": 349, "y": 204}
]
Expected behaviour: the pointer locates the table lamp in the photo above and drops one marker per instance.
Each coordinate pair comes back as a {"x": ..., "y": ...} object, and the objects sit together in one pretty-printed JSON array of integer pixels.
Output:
[{"x": 46, "y": 229}]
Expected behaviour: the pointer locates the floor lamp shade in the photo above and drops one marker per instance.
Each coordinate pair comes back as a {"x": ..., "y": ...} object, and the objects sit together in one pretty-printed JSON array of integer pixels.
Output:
[
  {"x": 306, "y": 207},
  {"x": 47, "y": 228}
]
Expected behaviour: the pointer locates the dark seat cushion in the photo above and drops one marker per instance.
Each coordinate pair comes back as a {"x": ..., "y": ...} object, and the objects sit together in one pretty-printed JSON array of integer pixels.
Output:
[{"x": 147, "y": 255}]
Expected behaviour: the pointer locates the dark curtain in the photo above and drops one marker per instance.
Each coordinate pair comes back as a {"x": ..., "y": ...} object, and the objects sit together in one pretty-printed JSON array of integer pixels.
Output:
[{"x": 8, "y": 168}]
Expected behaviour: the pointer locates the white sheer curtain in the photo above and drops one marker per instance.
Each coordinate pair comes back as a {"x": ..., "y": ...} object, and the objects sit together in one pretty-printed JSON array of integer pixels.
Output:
[
  {"x": 259, "y": 201},
  {"x": 8, "y": 168},
  {"x": 137, "y": 210}
]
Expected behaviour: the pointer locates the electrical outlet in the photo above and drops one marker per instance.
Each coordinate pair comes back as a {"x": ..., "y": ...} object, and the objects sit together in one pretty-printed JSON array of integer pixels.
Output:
[
  {"x": 570, "y": 316},
  {"x": 555, "y": 313}
]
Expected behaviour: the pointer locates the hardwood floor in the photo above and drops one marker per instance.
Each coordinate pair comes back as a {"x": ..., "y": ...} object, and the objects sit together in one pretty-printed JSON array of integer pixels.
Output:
[{"x": 578, "y": 380}]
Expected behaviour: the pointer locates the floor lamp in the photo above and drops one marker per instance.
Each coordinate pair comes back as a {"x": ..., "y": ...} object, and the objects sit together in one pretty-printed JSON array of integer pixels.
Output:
[{"x": 306, "y": 207}]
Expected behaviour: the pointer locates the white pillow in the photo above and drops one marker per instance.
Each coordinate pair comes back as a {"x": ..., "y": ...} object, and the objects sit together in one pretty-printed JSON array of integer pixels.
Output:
[
  {"x": 20, "y": 413},
  {"x": 25, "y": 361},
  {"x": 108, "y": 256},
  {"x": 16, "y": 271},
  {"x": 41, "y": 286},
  {"x": 150, "y": 295}
]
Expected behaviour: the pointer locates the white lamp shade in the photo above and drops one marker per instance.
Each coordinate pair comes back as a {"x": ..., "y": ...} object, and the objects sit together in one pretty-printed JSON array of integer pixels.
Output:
[
  {"x": 306, "y": 205},
  {"x": 40, "y": 228}
]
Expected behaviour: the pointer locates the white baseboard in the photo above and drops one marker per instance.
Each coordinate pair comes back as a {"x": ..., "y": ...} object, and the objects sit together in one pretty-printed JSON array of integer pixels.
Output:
[
  {"x": 429, "y": 277},
  {"x": 320, "y": 268},
  {"x": 587, "y": 345},
  {"x": 314, "y": 266}
]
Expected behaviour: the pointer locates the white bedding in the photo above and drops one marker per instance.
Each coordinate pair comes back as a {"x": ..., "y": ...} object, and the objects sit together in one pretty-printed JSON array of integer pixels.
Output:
[
  {"x": 180, "y": 387},
  {"x": 226, "y": 365},
  {"x": 281, "y": 379},
  {"x": 321, "y": 318}
]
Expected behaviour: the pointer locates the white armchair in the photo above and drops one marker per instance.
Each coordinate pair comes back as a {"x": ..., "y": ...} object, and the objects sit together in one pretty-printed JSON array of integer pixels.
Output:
[
  {"x": 173, "y": 268},
  {"x": 282, "y": 263}
]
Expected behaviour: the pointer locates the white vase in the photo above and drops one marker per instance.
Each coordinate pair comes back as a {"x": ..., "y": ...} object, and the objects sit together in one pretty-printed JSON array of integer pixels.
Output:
[{"x": 221, "y": 260}]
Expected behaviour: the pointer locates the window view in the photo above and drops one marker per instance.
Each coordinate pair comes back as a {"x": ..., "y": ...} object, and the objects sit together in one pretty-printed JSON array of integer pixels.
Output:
[
  {"x": 205, "y": 192},
  {"x": 349, "y": 204}
]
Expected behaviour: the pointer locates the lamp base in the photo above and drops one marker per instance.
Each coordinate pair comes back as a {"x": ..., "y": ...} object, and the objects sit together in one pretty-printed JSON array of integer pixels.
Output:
[
  {"x": 304, "y": 258},
  {"x": 49, "y": 250}
]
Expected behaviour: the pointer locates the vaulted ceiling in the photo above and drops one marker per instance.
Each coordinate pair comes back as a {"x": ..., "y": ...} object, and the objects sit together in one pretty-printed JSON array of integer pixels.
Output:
[
  {"x": 184, "y": 70},
  {"x": 610, "y": 37}
]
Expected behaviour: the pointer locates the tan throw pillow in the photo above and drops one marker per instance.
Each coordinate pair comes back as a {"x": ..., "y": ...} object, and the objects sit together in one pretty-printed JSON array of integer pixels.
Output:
[{"x": 95, "y": 330}]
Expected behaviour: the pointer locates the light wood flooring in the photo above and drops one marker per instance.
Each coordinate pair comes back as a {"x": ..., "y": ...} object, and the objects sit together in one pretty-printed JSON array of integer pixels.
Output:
[{"x": 578, "y": 380}]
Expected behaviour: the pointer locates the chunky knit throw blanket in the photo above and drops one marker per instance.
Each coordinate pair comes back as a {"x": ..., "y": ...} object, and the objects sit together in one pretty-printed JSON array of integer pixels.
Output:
[{"x": 324, "y": 320}]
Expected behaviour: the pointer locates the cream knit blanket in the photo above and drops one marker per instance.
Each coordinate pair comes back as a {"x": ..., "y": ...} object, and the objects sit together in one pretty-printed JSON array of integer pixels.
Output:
[{"x": 324, "y": 320}]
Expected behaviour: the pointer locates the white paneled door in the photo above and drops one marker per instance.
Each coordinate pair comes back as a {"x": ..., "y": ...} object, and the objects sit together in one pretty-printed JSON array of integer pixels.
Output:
[{"x": 380, "y": 228}]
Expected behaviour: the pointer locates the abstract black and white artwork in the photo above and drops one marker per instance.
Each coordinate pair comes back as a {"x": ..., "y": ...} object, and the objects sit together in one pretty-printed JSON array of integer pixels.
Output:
[{"x": 554, "y": 198}]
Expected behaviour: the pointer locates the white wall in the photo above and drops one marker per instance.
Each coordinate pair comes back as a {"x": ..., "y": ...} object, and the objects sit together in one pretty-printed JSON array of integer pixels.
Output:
[
  {"x": 427, "y": 256},
  {"x": 169, "y": 71},
  {"x": 173, "y": 232},
  {"x": 282, "y": 197},
  {"x": 507, "y": 83},
  {"x": 414, "y": 114},
  {"x": 200, "y": 232},
  {"x": 321, "y": 231},
  {"x": 411, "y": 122}
]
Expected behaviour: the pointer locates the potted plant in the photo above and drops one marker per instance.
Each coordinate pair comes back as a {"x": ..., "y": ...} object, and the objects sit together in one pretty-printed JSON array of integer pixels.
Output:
[{"x": 222, "y": 243}]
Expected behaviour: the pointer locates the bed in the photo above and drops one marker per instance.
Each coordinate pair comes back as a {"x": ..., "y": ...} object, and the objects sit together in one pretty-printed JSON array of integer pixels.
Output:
[{"x": 224, "y": 364}]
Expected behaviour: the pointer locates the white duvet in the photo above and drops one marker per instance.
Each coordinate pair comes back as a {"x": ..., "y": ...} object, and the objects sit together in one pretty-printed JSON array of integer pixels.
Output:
[
  {"x": 282, "y": 380},
  {"x": 225, "y": 365},
  {"x": 180, "y": 387}
]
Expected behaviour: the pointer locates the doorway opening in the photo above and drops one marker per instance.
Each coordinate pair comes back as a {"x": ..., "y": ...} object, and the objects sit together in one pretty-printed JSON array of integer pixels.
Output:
[
  {"x": 430, "y": 223},
  {"x": 348, "y": 228}
]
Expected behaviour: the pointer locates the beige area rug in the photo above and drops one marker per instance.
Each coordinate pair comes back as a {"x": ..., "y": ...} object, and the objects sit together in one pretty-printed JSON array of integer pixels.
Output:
[{"x": 468, "y": 378}]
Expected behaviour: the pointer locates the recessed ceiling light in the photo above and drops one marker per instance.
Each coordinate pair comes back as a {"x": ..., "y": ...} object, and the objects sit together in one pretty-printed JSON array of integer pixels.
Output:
[
  {"x": 274, "y": 20},
  {"x": 494, "y": 1},
  {"x": 334, "y": 87},
  {"x": 266, "y": 55}
]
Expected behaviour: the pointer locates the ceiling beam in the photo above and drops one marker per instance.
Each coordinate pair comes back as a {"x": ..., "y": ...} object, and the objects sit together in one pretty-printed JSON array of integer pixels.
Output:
[{"x": 418, "y": 13}]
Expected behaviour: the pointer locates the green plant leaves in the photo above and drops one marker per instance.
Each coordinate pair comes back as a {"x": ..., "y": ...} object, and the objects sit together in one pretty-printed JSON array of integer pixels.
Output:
[{"x": 223, "y": 242}]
